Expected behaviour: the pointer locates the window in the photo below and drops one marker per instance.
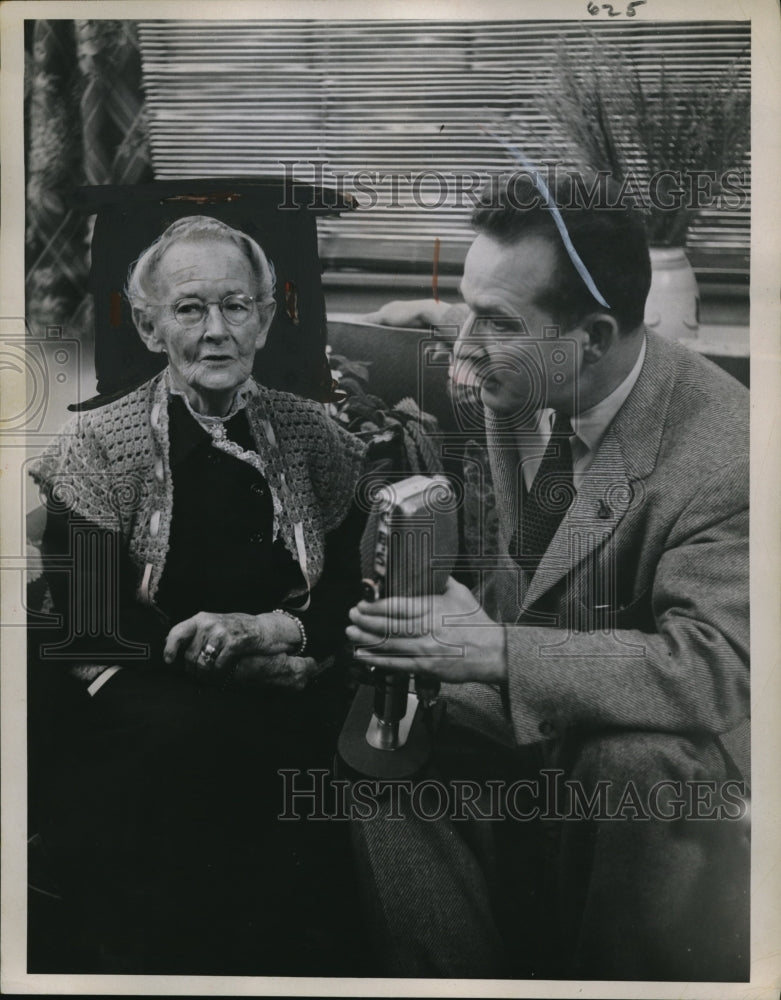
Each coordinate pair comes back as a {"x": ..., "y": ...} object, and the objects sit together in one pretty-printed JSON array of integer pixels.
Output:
[{"x": 394, "y": 109}]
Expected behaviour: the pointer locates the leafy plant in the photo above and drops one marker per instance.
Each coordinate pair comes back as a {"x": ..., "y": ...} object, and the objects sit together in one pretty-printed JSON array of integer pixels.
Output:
[
  {"x": 639, "y": 127},
  {"x": 396, "y": 436}
]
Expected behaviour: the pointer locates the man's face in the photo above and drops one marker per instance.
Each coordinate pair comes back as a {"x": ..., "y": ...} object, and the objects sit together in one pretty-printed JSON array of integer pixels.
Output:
[
  {"x": 510, "y": 348},
  {"x": 209, "y": 360}
]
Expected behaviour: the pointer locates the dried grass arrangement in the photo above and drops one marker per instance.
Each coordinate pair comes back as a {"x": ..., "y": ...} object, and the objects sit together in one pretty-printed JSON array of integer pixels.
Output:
[{"x": 643, "y": 125}]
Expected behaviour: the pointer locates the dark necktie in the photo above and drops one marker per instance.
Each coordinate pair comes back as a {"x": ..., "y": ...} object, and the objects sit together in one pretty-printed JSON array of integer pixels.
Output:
[{"x": 547, "y": 501}]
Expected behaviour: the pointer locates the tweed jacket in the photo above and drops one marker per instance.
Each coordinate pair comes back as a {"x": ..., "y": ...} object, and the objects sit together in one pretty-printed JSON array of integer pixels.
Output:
[
  {"x": 638, "y": 615},
  {"x": 111, "y": 466}
]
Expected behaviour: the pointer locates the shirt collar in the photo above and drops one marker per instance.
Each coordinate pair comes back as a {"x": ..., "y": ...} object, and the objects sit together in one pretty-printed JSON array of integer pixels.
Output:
[
  {"x": 187, "y": 429},
  {"x": 243, "y": 394},
  {"x": 588, "y": 427},
  {"x": 591, "y": 425}
]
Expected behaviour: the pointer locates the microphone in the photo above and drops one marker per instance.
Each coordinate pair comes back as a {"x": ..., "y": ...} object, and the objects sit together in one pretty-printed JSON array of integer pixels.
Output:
[{"x": 408, "y": 550}]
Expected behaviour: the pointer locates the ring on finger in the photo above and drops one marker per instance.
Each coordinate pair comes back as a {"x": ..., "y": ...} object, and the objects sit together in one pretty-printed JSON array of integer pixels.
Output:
[{"x": 208, "y": 654}]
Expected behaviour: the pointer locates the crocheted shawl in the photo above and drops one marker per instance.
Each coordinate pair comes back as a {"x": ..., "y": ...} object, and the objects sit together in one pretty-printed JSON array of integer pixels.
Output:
[{"x": 111, "y": 466}]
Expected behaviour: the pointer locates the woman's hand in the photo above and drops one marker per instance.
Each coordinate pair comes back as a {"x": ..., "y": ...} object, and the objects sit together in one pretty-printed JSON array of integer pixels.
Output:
[
  {"x": 280, "y": 670},
  {"x": 448, "y": 635},
  {"x": 211, "y": 643}
]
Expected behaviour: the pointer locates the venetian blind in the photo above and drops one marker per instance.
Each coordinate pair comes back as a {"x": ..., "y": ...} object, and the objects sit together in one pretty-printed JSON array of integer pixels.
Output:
[{"x": 403, "y": 101}]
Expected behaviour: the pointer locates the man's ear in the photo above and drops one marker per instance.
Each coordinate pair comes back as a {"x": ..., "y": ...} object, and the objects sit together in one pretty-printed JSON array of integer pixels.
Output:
[
  {"x": 266, "y": 315},
  {"x": 602, "y": 331},
  {"x": 146, "y": 330}
]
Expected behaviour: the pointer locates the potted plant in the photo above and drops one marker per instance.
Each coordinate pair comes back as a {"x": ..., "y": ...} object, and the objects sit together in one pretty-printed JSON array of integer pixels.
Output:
[
  {"x": 397, "y": 437},
  {"x": 671, "y": 146}
]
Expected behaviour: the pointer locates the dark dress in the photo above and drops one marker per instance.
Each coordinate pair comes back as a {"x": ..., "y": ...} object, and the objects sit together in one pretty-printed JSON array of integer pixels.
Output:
[{"x": 157, "y": 799}]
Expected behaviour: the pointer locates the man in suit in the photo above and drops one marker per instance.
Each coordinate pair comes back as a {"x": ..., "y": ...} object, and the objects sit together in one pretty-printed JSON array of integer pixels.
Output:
[{"x": 606, "y": 645}]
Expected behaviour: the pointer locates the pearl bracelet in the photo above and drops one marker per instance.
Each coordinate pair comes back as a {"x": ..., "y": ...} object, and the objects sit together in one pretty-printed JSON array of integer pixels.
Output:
[{"x": 299, "y": 623}]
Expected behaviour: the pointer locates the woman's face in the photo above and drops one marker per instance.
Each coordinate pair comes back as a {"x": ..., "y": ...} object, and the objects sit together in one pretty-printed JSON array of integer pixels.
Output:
[{"x": 211, "y": 359}]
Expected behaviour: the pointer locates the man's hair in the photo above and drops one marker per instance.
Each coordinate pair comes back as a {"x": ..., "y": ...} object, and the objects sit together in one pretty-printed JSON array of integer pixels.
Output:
[
  {"x": 141, "y": 276},
  {"x": 610, "y": 241}
]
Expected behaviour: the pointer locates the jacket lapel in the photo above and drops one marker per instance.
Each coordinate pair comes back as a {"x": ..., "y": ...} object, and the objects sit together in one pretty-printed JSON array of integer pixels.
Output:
[{"x": 604, "y": 496}]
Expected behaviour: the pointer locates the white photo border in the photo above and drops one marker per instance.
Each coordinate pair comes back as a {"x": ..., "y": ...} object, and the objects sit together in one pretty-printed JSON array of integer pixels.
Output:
[{"x": 765, "y": 491}]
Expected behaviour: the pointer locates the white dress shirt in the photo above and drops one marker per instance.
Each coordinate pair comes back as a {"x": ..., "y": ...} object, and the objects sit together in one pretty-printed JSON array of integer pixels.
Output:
[{"x": 588, "y": 428}]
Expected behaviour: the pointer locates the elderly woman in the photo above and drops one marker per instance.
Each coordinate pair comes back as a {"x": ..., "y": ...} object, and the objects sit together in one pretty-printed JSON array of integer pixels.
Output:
[{"x": 201, "y": 550}]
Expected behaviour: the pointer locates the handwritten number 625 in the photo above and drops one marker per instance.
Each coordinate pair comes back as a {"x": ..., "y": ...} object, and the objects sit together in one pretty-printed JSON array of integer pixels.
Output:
[{"x": 630, "y": 11}]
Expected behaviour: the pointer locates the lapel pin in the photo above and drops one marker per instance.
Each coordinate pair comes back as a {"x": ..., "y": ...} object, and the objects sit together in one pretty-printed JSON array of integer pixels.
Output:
[{"x": 604, "y": 512}]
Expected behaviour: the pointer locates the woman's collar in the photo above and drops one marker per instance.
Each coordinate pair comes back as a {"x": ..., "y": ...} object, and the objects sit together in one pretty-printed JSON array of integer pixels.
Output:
[{"x": 243, "y": 394}]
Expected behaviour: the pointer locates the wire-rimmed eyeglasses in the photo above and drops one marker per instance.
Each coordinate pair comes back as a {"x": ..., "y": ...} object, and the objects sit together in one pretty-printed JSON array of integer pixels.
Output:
[{"x": 236, "y": 309}]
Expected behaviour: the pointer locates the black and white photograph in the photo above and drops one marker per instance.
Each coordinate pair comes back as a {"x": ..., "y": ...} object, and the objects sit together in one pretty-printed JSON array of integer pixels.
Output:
[{"x": 390, "y": 475}]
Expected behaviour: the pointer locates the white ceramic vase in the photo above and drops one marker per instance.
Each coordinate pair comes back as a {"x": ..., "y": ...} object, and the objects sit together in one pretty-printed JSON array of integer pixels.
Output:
[{"x": 673, "y": 306}]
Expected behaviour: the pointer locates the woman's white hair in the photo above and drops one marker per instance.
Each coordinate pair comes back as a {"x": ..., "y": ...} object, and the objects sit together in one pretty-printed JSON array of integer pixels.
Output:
[{"x": 142, "y": 272}]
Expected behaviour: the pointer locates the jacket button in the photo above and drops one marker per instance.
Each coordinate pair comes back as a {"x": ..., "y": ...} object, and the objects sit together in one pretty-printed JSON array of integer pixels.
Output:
[
  {"x": 257, "y": 538},
  {"x": 547, "y": 728},
  {"x": 257, "y": 489}
]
